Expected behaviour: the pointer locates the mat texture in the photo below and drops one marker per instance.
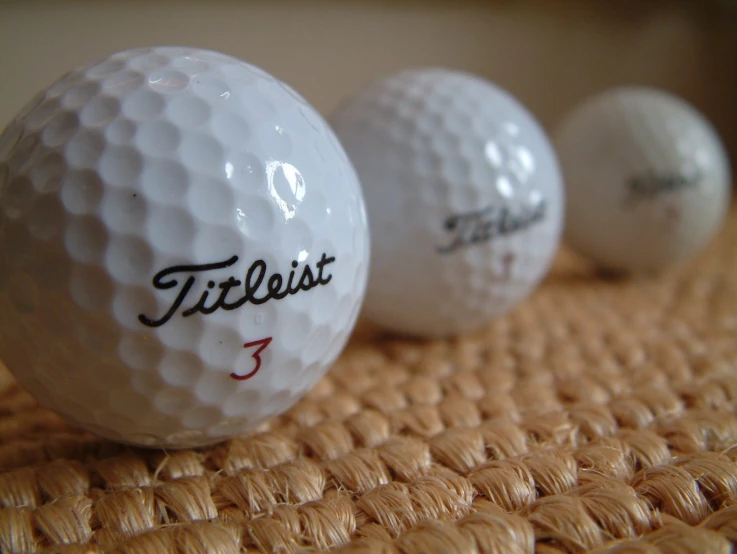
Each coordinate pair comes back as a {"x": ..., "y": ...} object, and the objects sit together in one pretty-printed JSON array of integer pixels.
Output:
[{"x": 600, "y": 415}]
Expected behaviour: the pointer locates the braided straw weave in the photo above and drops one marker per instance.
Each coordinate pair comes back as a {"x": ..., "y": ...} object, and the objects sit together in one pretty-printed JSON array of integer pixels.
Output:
[{"x": 600, "y": 415}]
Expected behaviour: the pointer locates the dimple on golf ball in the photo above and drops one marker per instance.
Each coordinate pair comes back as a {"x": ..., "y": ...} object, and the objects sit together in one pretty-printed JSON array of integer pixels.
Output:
[
  {"x": 183, "y": 247},
  {"x": 647, "y": 178},
  {"x": 464, "y": 195}
]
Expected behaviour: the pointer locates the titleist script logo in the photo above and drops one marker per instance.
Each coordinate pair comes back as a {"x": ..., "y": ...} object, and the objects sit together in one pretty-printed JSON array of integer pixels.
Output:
[
  {"x": 480, "y": 226},
  {"x": 653, "y": 185},
  {"x": 233, "y": 293}
]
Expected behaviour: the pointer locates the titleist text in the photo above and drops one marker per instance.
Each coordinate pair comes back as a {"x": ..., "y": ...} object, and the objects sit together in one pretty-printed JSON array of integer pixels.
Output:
[
  {"x": 258, "y": 286},
  {"x": 474, "y": 227}
]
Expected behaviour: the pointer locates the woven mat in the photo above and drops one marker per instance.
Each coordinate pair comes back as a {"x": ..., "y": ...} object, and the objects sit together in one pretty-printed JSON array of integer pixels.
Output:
[{"x": 600, "y": 415}]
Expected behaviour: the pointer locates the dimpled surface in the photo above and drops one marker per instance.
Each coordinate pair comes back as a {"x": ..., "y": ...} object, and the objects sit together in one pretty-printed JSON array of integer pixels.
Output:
[
  {"x": 647, "y": 178},
  {"x": 175, "y": 158},
  {"x": 464, "y": 195}
]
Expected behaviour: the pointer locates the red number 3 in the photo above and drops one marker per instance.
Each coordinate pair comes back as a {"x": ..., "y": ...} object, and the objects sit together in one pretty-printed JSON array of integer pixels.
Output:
[{"x": 262, "y": 344}]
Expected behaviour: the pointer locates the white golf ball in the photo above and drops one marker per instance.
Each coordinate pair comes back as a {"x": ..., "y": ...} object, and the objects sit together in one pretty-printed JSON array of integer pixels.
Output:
[
  {"x": 464, "y": 195},
  {"x": 183, "y": 247},
  {"x": 647, "y": 179}
]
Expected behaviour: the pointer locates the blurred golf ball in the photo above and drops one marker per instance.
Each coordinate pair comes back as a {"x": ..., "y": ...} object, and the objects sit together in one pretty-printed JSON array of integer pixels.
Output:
[{"x": 647, "y": 179}]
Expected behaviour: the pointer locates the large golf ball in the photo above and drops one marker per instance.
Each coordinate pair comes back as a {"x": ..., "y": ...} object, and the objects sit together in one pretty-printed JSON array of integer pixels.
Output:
[
  {"x": 183, "y": 247},
  {"x": 464, "y": 195},
  {"x": 648, "y": 182}
]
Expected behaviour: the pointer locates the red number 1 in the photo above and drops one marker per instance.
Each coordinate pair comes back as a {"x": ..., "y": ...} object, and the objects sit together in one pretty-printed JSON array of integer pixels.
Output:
[
  {"x": 507, "y": 260},
  {"x": 262, "y": 344}
]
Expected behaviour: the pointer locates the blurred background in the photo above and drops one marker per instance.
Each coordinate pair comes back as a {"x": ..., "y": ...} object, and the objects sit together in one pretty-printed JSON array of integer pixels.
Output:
[{"x": 549, "y": 53}]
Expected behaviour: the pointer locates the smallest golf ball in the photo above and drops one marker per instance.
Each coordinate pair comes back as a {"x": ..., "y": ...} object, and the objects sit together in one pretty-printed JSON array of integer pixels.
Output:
[{"x": 647, "y": 179}]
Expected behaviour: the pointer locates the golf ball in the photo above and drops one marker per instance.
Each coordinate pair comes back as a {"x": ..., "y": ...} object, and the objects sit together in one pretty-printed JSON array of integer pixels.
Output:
[
  {"x": 183, "y": 247},
  {"x": 647, "y": 178},
  {"x": 464, "y": 195}
]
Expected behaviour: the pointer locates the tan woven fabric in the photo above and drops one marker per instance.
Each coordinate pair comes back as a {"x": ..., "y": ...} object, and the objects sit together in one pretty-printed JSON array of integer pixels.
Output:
[{"x": 600, "y": 415}]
